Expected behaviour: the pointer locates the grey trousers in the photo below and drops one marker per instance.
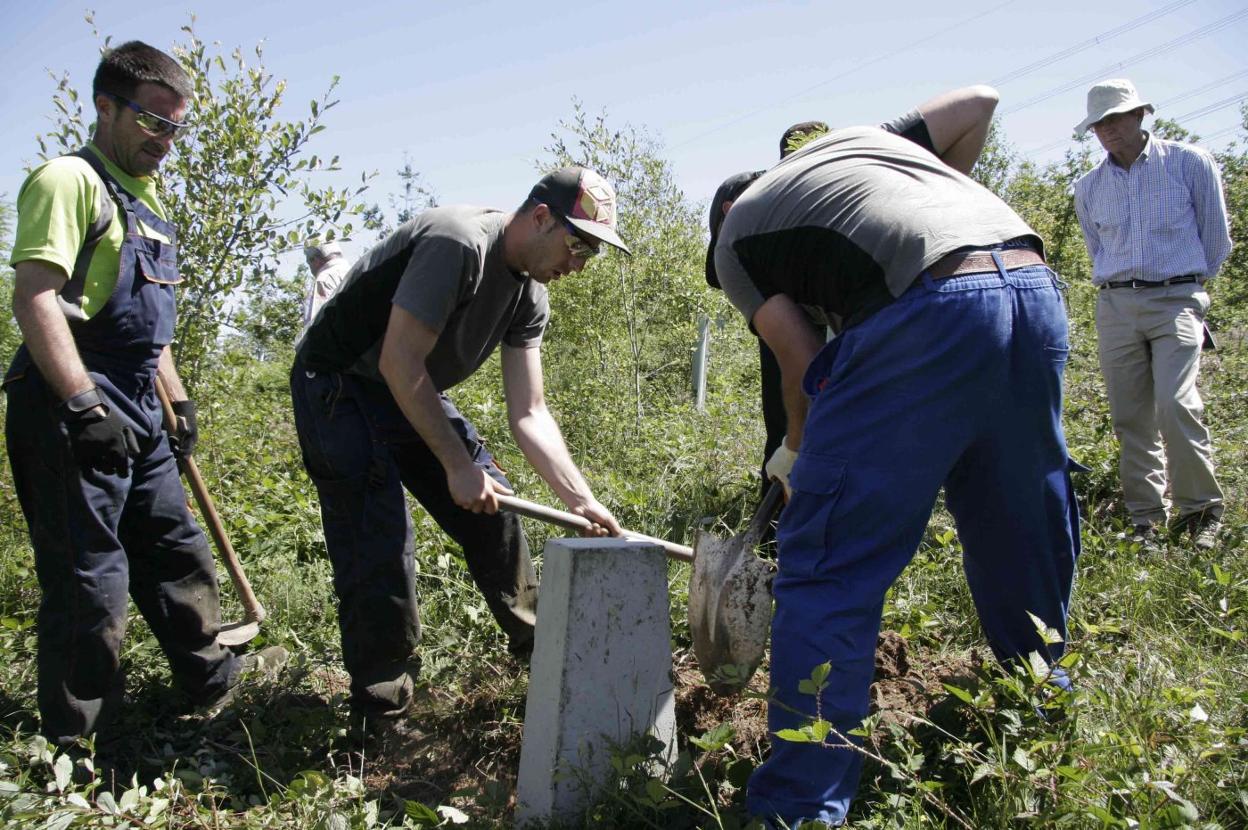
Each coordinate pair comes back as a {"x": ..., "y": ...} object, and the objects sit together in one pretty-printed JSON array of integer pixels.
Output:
[{"x": 1150, "y": 343}]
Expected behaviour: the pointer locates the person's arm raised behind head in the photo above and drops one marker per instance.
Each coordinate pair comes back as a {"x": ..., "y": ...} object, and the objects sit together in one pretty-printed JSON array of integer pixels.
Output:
[{"x": 958, "y": 123}]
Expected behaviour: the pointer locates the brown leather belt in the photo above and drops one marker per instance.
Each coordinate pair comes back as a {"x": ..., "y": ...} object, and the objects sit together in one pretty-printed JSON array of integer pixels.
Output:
[{"x": 978, "y": 262}]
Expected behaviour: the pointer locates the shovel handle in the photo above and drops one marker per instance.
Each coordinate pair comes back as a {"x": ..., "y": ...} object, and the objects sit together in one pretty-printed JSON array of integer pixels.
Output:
[
  {"x": 571, "y": 521},
  {"x": 767, "y": 509},
  {"x": 251, "y": 606}
]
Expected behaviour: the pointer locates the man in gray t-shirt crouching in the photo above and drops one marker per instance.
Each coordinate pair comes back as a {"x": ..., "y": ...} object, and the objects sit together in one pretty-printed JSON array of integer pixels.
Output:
[
  {"x": 416, "y": 315},
  {"x": 947, "y": 372}
]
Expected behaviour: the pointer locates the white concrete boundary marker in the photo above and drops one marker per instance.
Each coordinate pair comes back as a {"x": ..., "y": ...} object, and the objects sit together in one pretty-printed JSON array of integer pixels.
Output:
[{"x": 601, "y": 673}]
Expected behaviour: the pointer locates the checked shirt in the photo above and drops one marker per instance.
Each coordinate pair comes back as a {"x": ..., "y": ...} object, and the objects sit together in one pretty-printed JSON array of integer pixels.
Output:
[{"x": 1164, "y": 217}]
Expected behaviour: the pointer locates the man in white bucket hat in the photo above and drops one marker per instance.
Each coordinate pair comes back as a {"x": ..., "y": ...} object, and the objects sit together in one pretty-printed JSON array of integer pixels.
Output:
[{"x": 1154, "y": 219}]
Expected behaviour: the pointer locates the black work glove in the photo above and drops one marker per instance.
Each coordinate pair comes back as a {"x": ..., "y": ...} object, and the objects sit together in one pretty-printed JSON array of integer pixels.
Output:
[
  {"x": 101, "y": 441},
  {"x": 183, "y": 432}
]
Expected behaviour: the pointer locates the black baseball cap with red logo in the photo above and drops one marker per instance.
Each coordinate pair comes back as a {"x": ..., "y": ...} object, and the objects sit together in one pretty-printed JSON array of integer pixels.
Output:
[{"x": 585, "y": 199}]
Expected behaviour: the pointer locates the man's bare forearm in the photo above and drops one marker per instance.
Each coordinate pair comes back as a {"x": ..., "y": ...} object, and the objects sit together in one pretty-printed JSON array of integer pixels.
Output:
[
  {"x": 539, "y": 438},
  {"x": 958, "y": 122},
  {"x": 45, "y": 330},
  {"x": 417, "y": 397},
  {"x": 795, "y": 341}
]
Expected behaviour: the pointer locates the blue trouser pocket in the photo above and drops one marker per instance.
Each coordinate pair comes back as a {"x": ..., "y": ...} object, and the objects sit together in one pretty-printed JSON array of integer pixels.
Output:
[{"x": 816, "y": 482}]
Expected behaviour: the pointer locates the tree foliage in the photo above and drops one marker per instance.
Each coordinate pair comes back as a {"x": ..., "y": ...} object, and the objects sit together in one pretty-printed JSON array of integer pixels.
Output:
[
  {"x": 414, "y": 196},
  {"x": 9, "y": 335},
  {"x": 997, "y": 162},
  {"x": 633, "y": 319},
  {"x": 241, "y": 188}
]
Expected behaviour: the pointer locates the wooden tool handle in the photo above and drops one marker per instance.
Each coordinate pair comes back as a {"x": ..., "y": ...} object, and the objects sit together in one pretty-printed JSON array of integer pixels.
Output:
[
  {"x": 251, "y": 606},
  {"x": 574, "y": 522}
]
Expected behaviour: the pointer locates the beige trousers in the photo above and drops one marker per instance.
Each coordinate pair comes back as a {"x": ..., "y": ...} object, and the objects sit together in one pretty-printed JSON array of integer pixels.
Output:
[{"x": 1149, "y": 342}]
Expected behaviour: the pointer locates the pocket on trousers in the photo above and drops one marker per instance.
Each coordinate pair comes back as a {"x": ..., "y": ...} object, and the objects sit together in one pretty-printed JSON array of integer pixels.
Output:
[
  {"x": 817, "y": 482},
  {"x": 342, "y": 498},
  {"x": 1057, "y": 354}
]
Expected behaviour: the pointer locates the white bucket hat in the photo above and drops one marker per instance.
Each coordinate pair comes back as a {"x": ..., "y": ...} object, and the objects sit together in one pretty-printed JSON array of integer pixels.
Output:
[{"x": 1110, "y": 98}]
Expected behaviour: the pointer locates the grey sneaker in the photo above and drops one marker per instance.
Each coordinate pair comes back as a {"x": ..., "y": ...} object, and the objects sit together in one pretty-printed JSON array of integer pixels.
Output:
[
  {"x": 1203, "y": 527},
  {"x": 1148, "y": 537},
  {"x": 255, "y": 666},
  {"x": 1205, "y": 533}
]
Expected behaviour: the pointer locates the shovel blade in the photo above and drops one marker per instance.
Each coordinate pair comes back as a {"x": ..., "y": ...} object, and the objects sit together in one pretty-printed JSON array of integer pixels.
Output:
[
  {"x": 729, "y": 610},
  {"x": 235, "y": 634}
]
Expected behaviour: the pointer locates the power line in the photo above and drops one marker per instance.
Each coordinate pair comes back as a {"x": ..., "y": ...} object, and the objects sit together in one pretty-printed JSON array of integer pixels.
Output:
[
  {"x": 1214, "y": 107},
  {"x": 1105, "y": 72},
  {"x": 856, "y": 68},
  {"x": 1088, "y": 44},
  {"x": 1220, "y": 132},
  {"x": 1212, "y": 85}
]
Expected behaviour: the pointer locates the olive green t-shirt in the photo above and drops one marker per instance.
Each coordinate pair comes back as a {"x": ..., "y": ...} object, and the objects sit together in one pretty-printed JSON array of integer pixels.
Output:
[{"x": 56, "y": 206}]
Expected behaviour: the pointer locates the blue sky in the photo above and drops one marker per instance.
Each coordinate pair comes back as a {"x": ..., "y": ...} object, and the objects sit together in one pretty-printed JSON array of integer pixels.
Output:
[{"x": 471, "y": 90}]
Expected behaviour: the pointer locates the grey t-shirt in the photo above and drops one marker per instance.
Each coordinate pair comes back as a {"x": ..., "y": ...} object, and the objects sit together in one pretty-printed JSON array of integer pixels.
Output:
[
  {"x": 849, "y": 221},
  {"x": 446, "y": 268}
]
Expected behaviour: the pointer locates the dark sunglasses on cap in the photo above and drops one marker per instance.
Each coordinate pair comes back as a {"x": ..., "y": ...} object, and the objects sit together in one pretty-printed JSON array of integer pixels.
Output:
[
  {"x": 578, "y": 245},
  {"x": 150, "y": 122}
]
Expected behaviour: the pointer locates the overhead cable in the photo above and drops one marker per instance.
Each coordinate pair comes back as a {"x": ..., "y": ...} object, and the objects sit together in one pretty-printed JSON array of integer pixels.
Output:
[
  {"x": 1088, "y": 44},
  {"x": 1106, "y": 71},
  {"x": 855, "y": 68},
  {"x": 1184, "y": 96}
]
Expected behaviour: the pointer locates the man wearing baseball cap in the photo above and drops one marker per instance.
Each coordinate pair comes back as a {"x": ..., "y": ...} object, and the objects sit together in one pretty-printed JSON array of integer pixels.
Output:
[
  {"x": 1154, "y": 219},
  {"x": 416, "y": 315}
]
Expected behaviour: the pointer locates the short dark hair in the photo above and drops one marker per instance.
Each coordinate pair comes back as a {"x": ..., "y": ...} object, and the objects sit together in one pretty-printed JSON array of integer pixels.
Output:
[
  {"x": 797, "y": 135},
  {"x": 123, "y": 68}
]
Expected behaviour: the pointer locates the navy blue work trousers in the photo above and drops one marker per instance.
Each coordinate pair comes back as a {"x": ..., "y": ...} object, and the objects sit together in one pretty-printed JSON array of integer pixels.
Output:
[
  {"x": 361, "y": 453},
  {"x": 99, "y": 538},
  {"x": 958, "y": 384}
]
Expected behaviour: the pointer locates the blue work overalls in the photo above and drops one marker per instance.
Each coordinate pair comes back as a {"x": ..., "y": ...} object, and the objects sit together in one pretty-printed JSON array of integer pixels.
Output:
[
  {"x": 958, "y": 383},
  {"x": 98, "y": 536}
]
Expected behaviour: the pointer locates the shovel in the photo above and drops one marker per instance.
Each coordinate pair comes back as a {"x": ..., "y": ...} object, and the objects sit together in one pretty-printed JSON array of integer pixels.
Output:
[
  {"x": 730, "y": 601},
  {"x": 232, "y": 634},
  {"x": 571, "y": 521}
]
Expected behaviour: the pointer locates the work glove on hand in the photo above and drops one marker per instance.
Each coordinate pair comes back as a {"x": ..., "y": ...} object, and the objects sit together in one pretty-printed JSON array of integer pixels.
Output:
[
  {"x": 780, "y": 465},
  {"x": 100, "y": 440},
  {"x": 183, "y": 432}
]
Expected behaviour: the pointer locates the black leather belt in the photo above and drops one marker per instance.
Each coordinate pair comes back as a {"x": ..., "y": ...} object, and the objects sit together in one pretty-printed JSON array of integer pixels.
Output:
[{"x": 1186, "y": 278}]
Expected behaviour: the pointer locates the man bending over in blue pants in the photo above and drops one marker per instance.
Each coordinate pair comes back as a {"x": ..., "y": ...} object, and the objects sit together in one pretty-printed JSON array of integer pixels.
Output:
[{"x": 947, "y": 371}]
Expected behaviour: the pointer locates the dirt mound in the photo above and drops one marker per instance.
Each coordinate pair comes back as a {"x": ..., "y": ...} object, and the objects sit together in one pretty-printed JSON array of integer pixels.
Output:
[
  {"x": 470, "y": 743},
  {"x": 903, "y": 688},
  {"x": 699, "y": 710}
]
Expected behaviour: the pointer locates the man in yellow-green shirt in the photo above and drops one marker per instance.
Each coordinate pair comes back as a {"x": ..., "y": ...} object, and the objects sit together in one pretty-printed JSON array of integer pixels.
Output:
[{"x": 95, "y": 262}]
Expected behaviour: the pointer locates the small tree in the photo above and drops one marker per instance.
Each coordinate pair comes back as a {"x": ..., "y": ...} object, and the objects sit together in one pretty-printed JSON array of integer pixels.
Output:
[
  {"x": 1044, "y": 198},
  {"x": 413, "y": 197},
  {"x": 1234, "y": 164},
  {"x": 239, "y": 189},
  {"x": 633, "y": 320},
  {"x": 996, "y": 162},
  {"x": 269, "y": 318}
]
